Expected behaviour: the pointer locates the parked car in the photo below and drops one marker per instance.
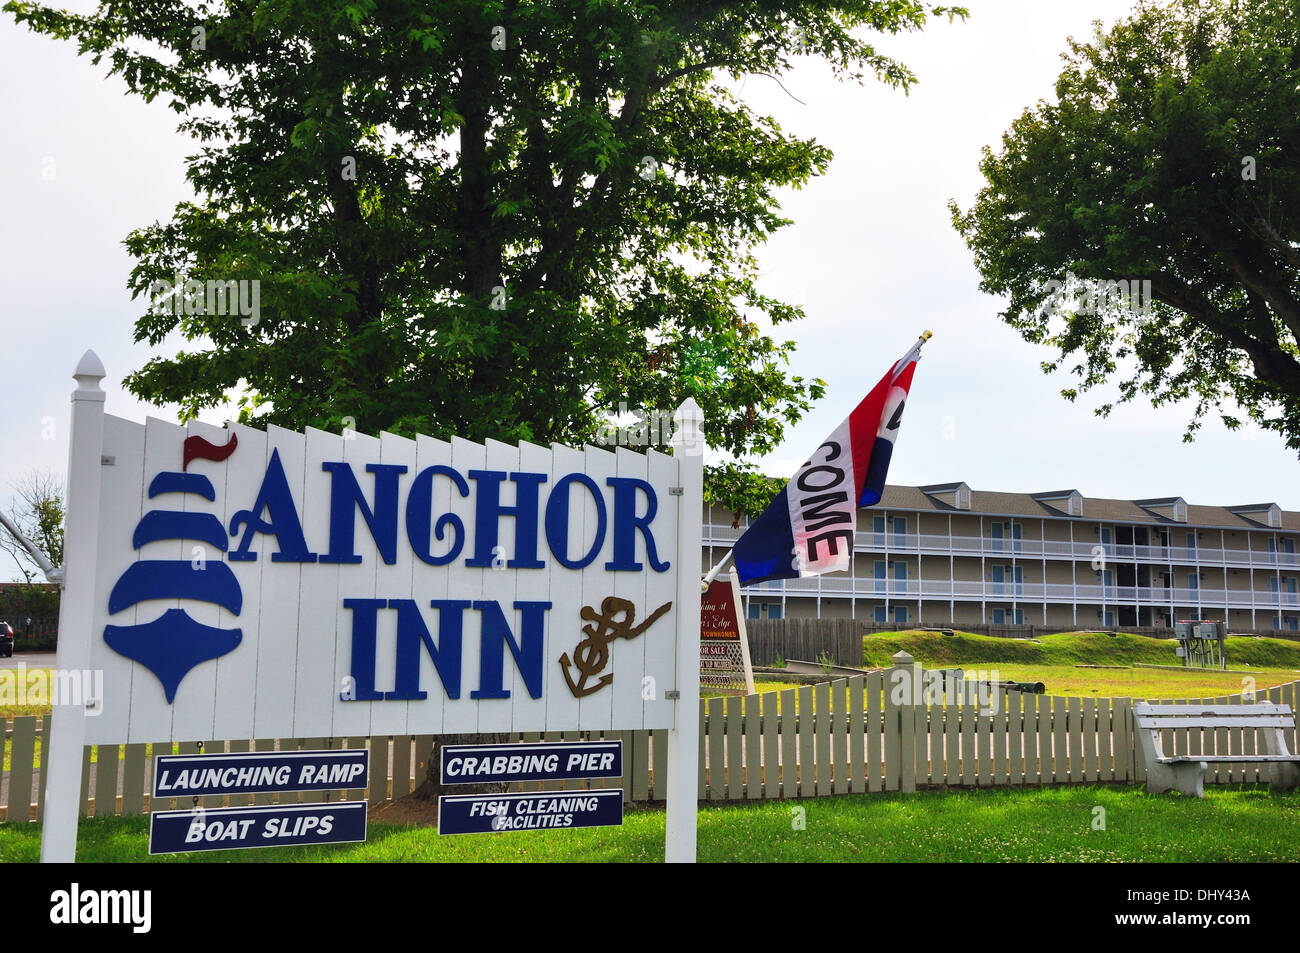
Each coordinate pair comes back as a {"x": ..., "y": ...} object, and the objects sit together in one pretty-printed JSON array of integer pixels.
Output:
[{"x": 6, "y": 640}]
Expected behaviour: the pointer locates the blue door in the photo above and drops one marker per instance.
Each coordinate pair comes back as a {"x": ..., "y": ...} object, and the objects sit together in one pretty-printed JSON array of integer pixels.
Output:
[
  {"x": 999, "y": 617},
  {"x": 878, "y": 527},
  {"x": 995, "y": 530},
  {"x": 879, "y": 575},
  {"x": 1018, "y": 577},
  {"x": 1015, "y": 536},
  {"x": 900, "y": 531},
  {"x": 999, "y": 577},
  {"x": 900, "y": 614},
  {"x": 880, "y": 614}
]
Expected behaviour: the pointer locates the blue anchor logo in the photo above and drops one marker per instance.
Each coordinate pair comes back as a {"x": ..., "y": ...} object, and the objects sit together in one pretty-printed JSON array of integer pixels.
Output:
[{"x": 173, "y": 644}]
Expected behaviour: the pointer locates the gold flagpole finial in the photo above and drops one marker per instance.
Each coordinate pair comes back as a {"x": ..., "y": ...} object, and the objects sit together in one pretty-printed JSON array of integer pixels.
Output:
[{"x": 926, "y": 335}]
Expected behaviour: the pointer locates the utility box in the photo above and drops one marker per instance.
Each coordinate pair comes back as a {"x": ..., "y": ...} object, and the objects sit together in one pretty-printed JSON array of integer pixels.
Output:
[{"x": 1200, "y": 643}]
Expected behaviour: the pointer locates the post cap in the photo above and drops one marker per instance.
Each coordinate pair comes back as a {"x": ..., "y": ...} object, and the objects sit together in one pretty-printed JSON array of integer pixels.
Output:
[
  {"x": 902, "y": 658},
  {"x": 688, "y": 428},
  {"x": 90, "y": 371}
]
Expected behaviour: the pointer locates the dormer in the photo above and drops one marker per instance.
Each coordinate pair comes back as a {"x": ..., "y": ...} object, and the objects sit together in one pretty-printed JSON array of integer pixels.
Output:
[
  {"x": 954, "y": 495},
  {"x": 1172, "y": 508},
  {"x": 1069, "y": 502},
  {"x": 1267, "y": 514}
]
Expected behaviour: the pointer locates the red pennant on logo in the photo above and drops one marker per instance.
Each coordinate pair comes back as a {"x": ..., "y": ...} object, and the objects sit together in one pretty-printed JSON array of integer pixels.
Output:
[{"x": 196, "y": 448}]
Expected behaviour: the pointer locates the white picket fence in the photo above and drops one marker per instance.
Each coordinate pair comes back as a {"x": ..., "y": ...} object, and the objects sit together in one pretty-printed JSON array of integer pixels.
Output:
[{"x": 852, "y": 735}]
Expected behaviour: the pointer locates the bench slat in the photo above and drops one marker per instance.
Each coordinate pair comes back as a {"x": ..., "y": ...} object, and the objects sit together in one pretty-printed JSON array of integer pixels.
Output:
[
  {"x": 1185, "y": 721},
  {"x": 1239, "y": 758},
  {"x": 1258, "y": 708},
  {"x": 1182, "y": 709}
]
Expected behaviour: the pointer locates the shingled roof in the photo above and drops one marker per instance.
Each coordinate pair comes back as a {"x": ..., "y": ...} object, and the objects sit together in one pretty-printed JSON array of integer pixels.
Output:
[{"x": 1095, "y": 509}]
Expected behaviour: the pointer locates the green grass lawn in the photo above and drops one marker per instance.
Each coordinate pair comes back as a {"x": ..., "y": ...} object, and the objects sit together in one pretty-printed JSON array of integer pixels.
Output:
[
  {"x": 1025, "y": 824},
  {"x": 934, "y": 649},
  {"x": 8, "y": 698},
  {"x": 1134, "y": 682}
]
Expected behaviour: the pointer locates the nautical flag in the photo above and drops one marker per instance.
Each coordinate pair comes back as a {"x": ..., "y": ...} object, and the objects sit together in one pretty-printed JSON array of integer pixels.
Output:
[{"x": 809, "y": 528}]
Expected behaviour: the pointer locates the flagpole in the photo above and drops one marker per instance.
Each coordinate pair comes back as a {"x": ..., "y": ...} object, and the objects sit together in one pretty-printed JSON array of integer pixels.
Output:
[
  {"x": 913, "y": 353},
  {"x": 713, "y": 573},
  {"x": 907, "y": 359}
]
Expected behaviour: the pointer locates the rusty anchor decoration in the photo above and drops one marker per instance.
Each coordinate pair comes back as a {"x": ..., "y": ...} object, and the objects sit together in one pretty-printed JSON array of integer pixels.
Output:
[{"x": 591, "y": 655}]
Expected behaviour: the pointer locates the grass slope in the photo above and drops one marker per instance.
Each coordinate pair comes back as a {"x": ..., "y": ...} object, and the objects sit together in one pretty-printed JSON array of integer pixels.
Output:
[
  {"x": 1066, "y": 648},
  {"x": 1032, "y": 824}
]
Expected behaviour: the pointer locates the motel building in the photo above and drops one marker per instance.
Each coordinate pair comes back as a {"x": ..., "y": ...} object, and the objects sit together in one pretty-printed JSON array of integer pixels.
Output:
[{"x": 948, "y": 555}]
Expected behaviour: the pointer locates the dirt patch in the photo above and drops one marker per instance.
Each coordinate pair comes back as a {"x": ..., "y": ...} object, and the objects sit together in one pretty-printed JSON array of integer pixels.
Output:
[{"x": 408, "y": 812}]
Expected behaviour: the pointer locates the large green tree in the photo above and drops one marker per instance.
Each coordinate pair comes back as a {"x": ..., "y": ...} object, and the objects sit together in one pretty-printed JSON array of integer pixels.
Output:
[
  {"x": 1171, "y": 154},
  {"x": 495, "y": 219}
]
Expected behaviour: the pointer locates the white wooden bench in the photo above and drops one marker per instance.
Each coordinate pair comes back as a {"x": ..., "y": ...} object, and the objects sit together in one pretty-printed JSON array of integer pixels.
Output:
[{"x": 1186, "y": 773}]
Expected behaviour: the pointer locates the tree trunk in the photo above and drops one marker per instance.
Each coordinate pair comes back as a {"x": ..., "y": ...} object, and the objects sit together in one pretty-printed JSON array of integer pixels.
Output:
[{"x": 432, "y": 786}]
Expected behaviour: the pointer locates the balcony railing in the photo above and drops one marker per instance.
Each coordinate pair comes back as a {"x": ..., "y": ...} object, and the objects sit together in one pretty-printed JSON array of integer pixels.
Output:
[
  {"x": 966, "y": 590},
  {"x": 923, "y": 543}
]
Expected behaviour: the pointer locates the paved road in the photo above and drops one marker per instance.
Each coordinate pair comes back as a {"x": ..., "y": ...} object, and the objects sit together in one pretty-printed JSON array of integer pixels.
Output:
[{"x": 32, "y": 659}]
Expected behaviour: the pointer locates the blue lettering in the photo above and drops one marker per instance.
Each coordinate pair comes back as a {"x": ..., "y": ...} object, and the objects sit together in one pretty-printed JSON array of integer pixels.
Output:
[
  {"x": 557, "y": 521},
  {"x": 364, "y": 612},
  {"x": 411, "y": 631},
  {"x": 488, "y": 512},
  {"x": 527, "y": 651},
  {"x": 626, "y": 523},
  {"x": 346, "y": 498},
  {"x": 282, "y": 522},
  {"x": 419, "y": 516}
]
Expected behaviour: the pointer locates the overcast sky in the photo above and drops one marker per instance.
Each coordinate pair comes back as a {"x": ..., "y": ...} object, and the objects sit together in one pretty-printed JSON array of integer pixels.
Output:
[{"x": 872, "y": 256}]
